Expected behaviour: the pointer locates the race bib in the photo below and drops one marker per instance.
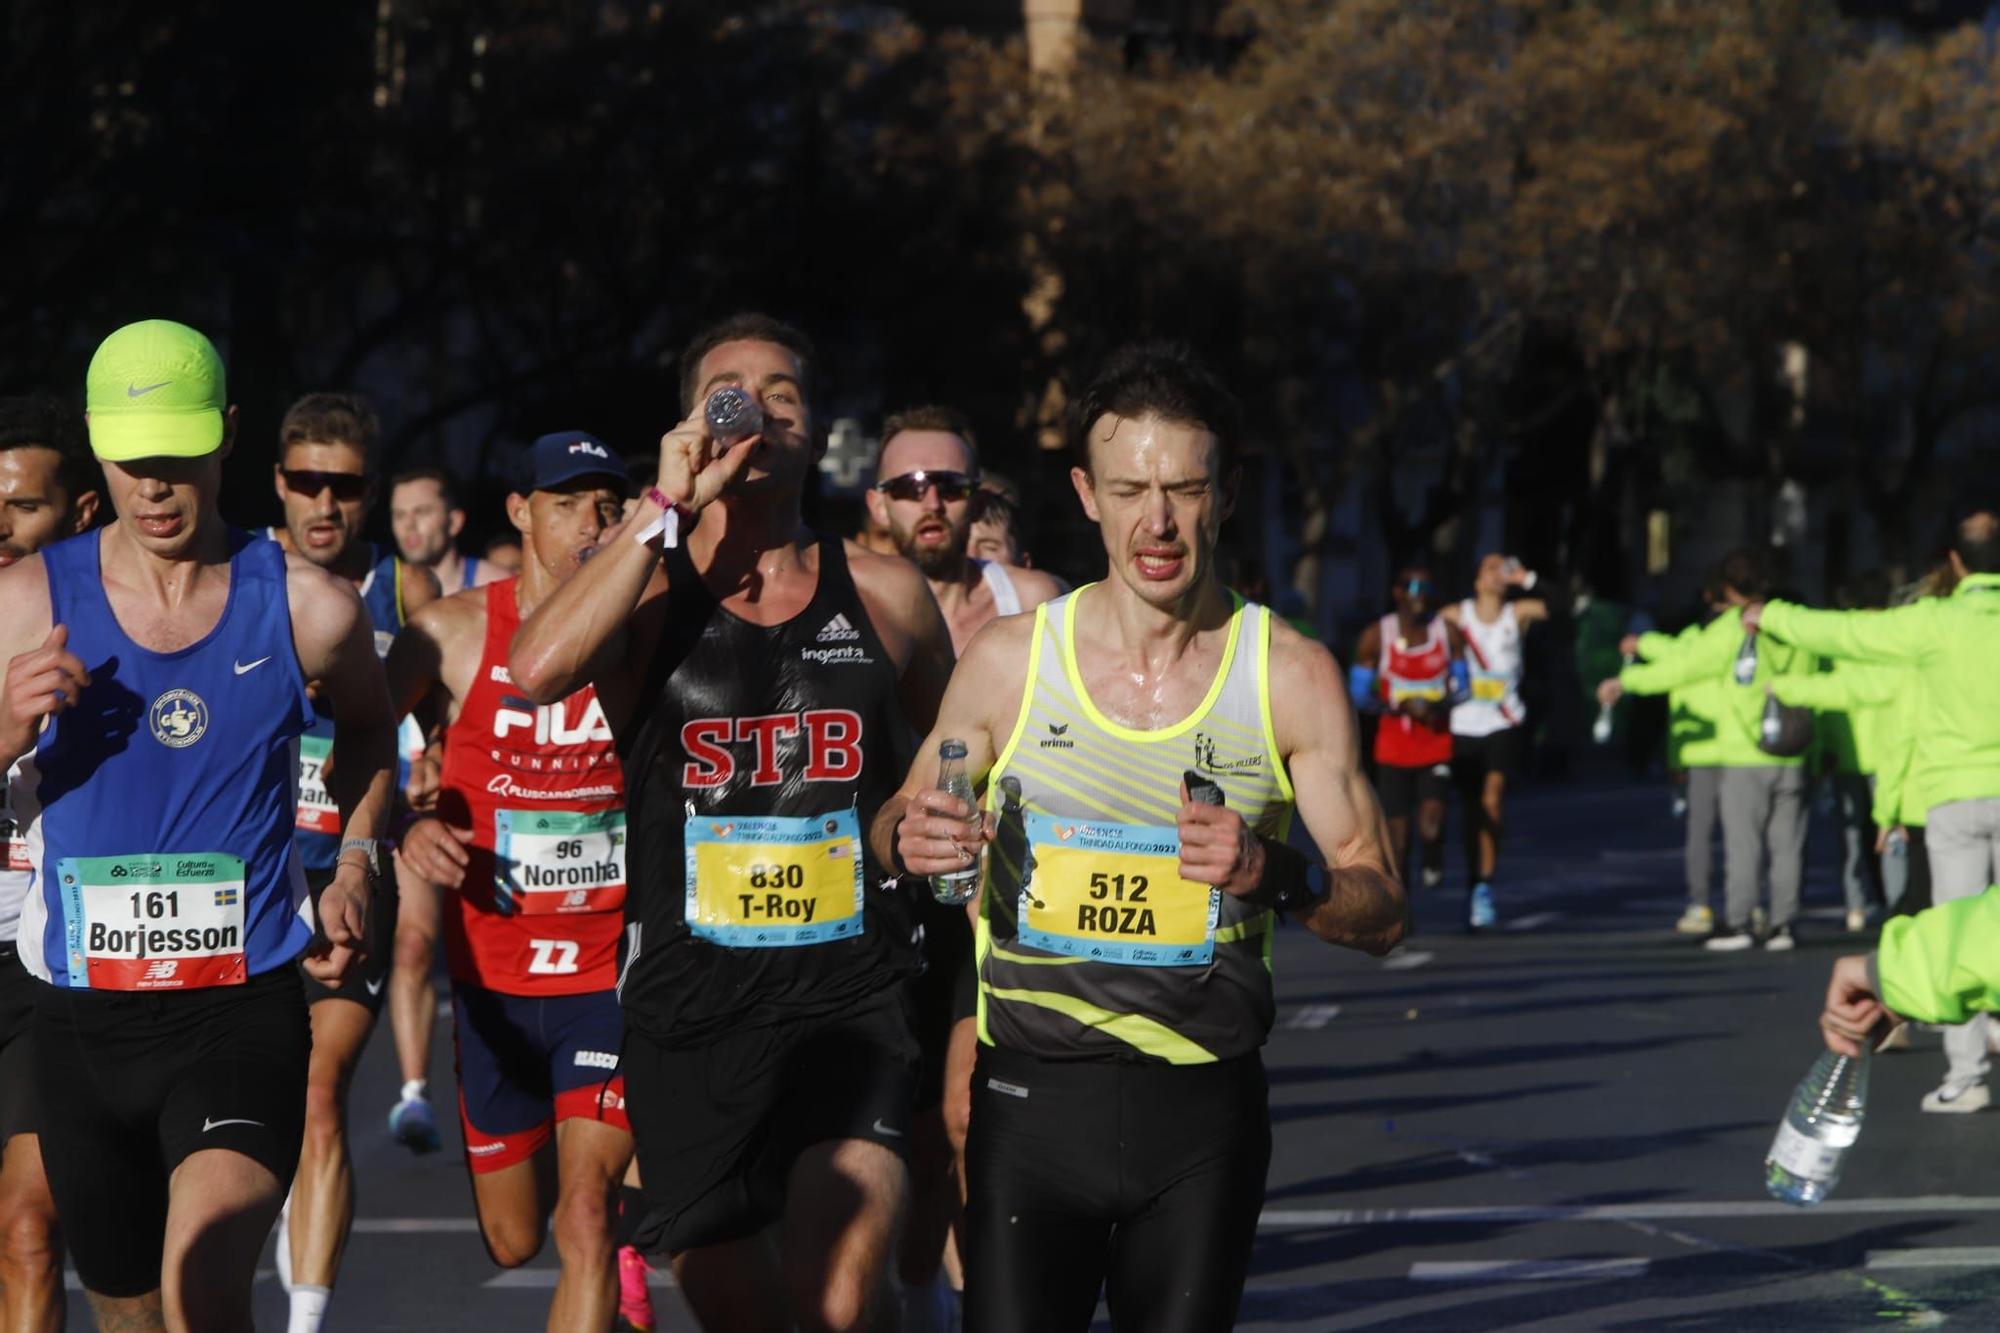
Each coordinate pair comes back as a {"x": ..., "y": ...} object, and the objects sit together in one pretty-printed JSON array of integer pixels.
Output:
[
  {"x": 1113, "y": 893},
  {"x": 1489, "y": 689},
  {"x": 769, "y": 882},
  {"x": 317, "y": 811},
  {"x": 1401, "y": 690},
  {"x": 548, "y": 862},
  {"x": 155, "y": 922}
]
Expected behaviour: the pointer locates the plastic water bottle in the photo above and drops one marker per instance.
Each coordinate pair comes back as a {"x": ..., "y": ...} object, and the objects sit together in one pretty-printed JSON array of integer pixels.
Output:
[
  {"x": 1746, "y": 659},
  {"x": 732, "y": 415},
  {"x": 1600, "y": 730},
  {"x": 1820, "y": 1125},
  {"x": 1773, "y": 723},
  {"x": 958, "y": 886},
  {"x": 1897, "y": 844}
]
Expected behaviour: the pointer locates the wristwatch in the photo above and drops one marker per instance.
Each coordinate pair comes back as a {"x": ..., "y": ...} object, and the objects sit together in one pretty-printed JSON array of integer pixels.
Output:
[{"x": 371, "y": 851}]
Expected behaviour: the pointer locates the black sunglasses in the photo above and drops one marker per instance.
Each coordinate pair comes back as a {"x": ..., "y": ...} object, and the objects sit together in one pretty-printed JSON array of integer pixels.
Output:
[
  {"x": 344, "y": 485},
  {"x": 912, "y": 485}
]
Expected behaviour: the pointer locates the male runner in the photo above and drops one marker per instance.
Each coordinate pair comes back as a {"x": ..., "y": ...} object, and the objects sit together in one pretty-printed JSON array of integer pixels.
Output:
[
  {"x": 327, "y": 444},
  {"x": 927, "y": 482},
  {"x": 761, "y": 685},
  {"x": 50, "y": 487},
  {"x": 529, "y": 842},
  {"x": 1489, "y": 733},
  {"x": 427, "y": 519},
  {"x": 1409, "y": 666},
  {"x": 157, "y": 679},
  {"x": 1120, "y": 1131}
]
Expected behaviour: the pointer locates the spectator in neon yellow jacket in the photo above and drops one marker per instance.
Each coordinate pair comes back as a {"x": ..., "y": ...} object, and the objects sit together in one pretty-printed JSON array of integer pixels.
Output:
[
  {"x": 1763, "y": 796},
  {"x": 1952, "y": 644},
  {"x": 1939, "y": 966},
  {"x": 1851, "y": 703},
  {"x": 1692, "y": 750}
]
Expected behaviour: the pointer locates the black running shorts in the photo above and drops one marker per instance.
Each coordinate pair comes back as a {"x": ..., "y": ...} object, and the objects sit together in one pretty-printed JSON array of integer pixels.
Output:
[
  {"x": 718, "y": 1126},
  {"x": 1144, "y": 1180},
  {"x": 944, "y": 992},
  {"x": 1404, "y": 789},
  {"x": 368, "y": 984},
  {"x": 131, "y": 1084},
  {"x": 1473, "y": 757},
  {"x": 17, "y": 1011}
]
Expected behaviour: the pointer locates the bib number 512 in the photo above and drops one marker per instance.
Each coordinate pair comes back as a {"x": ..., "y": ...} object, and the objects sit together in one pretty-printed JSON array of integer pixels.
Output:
[
  {"x": 552, "y": 957},
  {"x": 1119, "y": 888}
]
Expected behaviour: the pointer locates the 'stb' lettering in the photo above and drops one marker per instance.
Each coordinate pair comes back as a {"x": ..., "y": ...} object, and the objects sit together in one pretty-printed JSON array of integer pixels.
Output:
[{"x": 831, "y": 752}]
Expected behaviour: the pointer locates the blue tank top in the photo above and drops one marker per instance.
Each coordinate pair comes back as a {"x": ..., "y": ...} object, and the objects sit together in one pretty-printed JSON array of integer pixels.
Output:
[
  {"x": 171, "y": 778},
  {"x": 382, "y": 598}
]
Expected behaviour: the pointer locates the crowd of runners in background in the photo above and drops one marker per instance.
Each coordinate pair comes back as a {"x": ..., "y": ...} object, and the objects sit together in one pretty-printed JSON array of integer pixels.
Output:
[{"x": 661, "y": 778}]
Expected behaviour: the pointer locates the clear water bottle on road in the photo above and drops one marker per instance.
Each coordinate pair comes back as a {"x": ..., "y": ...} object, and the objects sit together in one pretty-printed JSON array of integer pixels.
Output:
[
  {"x": 1746, "y": 659},
  {"x": 958, "y": 886},
  {"x": 1820, "y": 1125},
  {"x": 731, "y": 415}
]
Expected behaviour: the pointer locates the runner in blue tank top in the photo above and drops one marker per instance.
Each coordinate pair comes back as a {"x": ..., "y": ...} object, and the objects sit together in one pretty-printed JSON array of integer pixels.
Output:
[
  {"x": 325, "y": 481},
  {"x": 156, "y": 676}
]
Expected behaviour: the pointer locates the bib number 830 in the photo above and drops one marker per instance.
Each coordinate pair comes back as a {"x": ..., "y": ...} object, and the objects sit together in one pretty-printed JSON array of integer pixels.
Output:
[
  {"x": 552, "y": 957},
  {"x": 777, "y": 876}
]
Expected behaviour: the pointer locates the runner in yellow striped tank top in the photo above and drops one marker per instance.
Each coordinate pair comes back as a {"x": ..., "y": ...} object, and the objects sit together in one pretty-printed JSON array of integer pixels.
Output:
[{"x": 1120, "y": 1128}]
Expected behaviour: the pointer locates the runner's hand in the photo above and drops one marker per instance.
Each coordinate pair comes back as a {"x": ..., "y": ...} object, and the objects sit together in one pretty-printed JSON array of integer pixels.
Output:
[
  {"x": 1218, "y": 848},
  {"x": 41, "y": 682},
  {"x": 692, "y": 471},
  {"x": 1629, "y": 646},
  {"x": 1852, "y": 1007},
  {"x": 436, "y": 851},
  {"x": 343, "y": 927},
  {"x": 1609, "y": 691},
  {"x": 940, "y": 833}
]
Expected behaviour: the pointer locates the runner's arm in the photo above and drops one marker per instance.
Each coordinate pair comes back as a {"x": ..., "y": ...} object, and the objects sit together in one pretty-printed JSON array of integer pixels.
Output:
[
  {"x": 913, "y": 830},
  {"x": 42, "y": 675},
  {"x": 1364, "y": 906}
]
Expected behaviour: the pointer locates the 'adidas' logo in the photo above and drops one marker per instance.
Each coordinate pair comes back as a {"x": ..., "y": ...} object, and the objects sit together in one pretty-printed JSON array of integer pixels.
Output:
[{"x": 838, "y": 630}]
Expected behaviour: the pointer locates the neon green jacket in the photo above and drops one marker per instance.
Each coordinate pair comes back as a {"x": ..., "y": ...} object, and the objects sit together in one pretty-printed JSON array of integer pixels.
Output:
[
  {"x": 1852, "y": 703},
  {"x": 1954, "y": 645},
  {"x": 1691, "y": 708},
  {"x": 1942, "y": 965},
  {"x": 1899, "y": 797},
  {"x": 1709, "y": 655}
]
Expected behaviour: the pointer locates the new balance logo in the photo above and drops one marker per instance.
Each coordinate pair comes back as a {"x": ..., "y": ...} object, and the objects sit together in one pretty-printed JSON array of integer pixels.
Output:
[
  {"x": 163, "y": 970},
  {"x": 838, "y": 630}
]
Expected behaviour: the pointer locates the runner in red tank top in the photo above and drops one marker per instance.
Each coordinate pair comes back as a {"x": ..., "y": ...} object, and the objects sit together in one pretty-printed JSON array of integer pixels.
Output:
[
  {"x": 528, "y": 841},
  {"x": 1406, "y": 667}
]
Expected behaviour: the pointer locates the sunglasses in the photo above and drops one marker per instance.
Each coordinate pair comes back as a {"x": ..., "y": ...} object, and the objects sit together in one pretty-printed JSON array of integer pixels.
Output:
[
  {"x": 1417, "y": 587},
  {"x": 950, "y": 486},
  {"x": 344, "y": 485}
]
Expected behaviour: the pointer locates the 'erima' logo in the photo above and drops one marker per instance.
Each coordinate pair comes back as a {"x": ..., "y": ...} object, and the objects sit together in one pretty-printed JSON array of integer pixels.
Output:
[{"x": 1056, "y": 739}]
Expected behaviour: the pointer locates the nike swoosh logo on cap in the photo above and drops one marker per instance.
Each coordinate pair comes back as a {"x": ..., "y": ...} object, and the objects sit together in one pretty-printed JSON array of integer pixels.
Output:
[
  {"x": 242, "y": 667},
  {"x": 134, "y": 391}
]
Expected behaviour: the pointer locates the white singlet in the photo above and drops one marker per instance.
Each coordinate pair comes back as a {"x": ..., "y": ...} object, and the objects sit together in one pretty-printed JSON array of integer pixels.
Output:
[
  {"x": 1493, "y": 654},
  {"x": 14, "y": 876},
  {"x": 1006, "y": 601}
]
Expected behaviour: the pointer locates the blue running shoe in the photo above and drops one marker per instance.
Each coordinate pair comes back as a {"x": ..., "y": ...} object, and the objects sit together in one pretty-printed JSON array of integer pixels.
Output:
[
  {"x": 1479, "y": 913},
  {"x": 412, "y": 1125}
]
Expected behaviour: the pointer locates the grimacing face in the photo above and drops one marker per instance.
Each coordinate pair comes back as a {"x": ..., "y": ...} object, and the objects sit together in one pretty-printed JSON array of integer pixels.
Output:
[
  {"x": 1153, "y": 492},
  {"x": 929, "y": 530},
  {"x": 423, "y": 524},
  {"x": 35, "y": 509},
  {"x": 322, "y": 520}
]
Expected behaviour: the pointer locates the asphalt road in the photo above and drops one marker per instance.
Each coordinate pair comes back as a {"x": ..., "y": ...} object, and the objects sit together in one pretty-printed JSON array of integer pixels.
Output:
[{"x": 1560, "y": 1125}]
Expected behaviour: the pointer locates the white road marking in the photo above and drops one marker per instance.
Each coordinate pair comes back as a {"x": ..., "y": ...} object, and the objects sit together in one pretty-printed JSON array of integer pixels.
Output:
[
  {"x": 1526, "y": 1270},
  {"x": 1286, "y": 1219},
  {"x": 1314, "y": 1016},
  {"x": 1940, "y": 1256},
  {"x": 1533, "y": 921},
  {"x": 544, "y": 1279},
  {"x": 1403, "y": 962},
  {"x": 410, "y": 1226}
]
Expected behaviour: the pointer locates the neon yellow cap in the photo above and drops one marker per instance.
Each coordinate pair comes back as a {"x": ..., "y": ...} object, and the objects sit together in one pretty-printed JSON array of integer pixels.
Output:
[{"x": 155, "y": 389}]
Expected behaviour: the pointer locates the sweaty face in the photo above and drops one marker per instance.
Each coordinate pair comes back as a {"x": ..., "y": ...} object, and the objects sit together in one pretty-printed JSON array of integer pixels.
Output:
[
  {"x": 1153, "y": 491},
  {"x": 771, "y": 375},
  {"x": 326, "y": 494},
  {"x": 34, "y": 508},
  {"x": 928, "y": 529},
  {"x": 159, "y": 500},
  {"x": 562, "y": 527},
  {"x": 421, "y": 521}
]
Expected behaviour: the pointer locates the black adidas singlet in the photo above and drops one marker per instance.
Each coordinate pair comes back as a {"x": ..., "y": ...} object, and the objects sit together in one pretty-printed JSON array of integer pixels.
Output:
[{"x": 755, "y": 758}]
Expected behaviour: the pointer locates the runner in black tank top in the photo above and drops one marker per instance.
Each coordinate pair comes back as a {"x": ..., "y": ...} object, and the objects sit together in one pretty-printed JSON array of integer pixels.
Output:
[
  {"x": 769, "y": 1060},
  {"x": 736, "y": 719}
]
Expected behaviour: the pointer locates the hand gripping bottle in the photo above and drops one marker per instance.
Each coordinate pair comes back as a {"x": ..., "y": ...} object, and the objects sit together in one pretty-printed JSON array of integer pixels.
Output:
[{"x": 958, "y": 886}]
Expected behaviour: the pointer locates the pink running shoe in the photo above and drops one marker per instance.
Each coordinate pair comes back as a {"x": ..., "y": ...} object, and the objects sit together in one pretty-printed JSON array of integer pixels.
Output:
[{"x": 635, "y": 1302}]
